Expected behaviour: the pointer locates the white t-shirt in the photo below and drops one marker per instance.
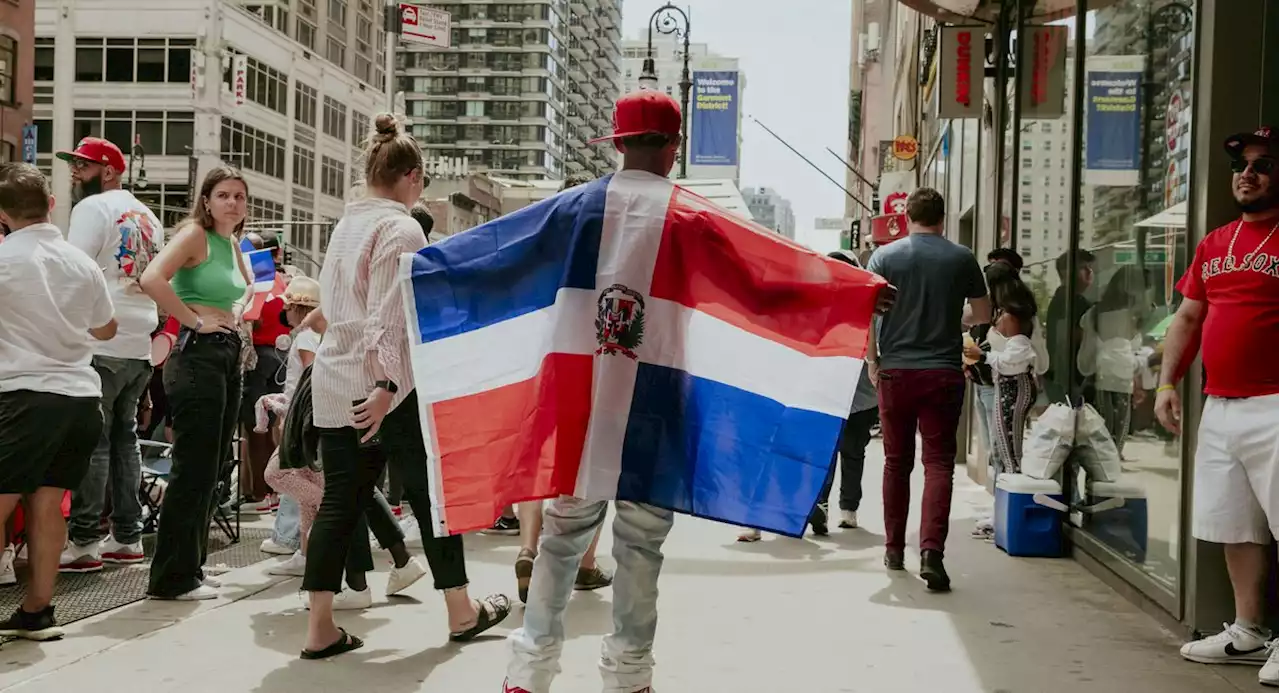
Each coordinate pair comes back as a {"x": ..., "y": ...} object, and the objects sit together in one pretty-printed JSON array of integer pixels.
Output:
[
  {"x": 306, "y": 340},
  {"x": 107, "y": 227},
  {"x": 52, "y": 296}
]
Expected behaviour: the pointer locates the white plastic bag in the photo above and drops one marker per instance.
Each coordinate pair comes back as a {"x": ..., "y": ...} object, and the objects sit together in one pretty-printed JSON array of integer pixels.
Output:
[
  {"x": 1047, "y": 445},
  {"x": 1095, "y": 449}
]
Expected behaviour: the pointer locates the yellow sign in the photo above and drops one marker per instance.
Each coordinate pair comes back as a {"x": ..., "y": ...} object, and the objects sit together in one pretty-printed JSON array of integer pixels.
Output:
[{"x": 905, "y": 147}]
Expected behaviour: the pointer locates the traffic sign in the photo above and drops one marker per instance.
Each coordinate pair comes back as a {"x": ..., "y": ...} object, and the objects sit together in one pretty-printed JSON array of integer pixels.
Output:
[
  {"x": 424, "y": 25},
  {"x": 29, "y": 143}
]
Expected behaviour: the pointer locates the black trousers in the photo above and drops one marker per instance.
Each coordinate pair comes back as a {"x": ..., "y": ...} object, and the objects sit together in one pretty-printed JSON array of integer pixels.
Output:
[
  {"x": 852, "y": 451},
  {"x": 202, "y": 382},
  {"x": 350, "y": 475}
]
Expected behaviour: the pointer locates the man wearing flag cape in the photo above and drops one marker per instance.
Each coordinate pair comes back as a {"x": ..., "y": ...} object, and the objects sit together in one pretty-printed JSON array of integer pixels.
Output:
[{"x": 628, "y": 340}]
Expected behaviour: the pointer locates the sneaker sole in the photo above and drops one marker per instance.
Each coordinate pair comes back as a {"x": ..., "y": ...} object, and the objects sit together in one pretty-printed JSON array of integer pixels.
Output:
[
  {"x": 286, "y": 573},
  {"x": 524, "y": 576},
  {"x": 400, "y": 588},
  {"x": 42, "y": 635},
  {"x": 935, "y": 583},
  {"x": 277, "y": 552},
  {"x": 76, "y": 570},
  {"x": 123, "y": 560},
  {"x": 1199, "y": 659},
  {"x": 502, "y": 532}
]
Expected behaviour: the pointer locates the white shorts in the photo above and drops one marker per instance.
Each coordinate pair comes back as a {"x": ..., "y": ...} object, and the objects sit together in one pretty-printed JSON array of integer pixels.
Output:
[{"x": 1237, "y": 467}]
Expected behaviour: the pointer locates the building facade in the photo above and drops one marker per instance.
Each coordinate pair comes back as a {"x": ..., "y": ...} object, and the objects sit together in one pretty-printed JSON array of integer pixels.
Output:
[
  {"x": 156, "y": 78},
  {"x": 1097, "y": 218},
  {"x": 17, "y": 74},
  {"x": 668, "y": 59},
  {"x": 772, "y": 210},
  {"x": 521, "y": 90}
]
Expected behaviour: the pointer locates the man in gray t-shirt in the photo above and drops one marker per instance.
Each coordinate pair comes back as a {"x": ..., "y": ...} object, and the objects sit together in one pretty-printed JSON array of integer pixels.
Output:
[{"x": 914, "y": 357}]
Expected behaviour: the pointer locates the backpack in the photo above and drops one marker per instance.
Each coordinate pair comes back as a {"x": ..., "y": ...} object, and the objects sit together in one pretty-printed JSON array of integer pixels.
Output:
[{"x": 300, "y": 445}]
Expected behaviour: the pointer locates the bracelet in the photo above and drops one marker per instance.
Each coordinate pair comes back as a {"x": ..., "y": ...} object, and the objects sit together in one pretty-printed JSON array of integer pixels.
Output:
[{"x": 1166, "y": 388}]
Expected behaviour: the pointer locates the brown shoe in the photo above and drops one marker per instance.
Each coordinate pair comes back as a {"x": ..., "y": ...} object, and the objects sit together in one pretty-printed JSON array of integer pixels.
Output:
[
  {"x": 592, "y": 579},
  {"x": 524, "y": 573}
]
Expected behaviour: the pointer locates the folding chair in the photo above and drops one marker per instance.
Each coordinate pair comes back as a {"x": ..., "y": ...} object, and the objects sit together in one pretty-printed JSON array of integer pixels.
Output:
[
  {"x": 225, "y": 514},
  {"x": 154, "y": 476},
  {"x": 226, "y": 495}
]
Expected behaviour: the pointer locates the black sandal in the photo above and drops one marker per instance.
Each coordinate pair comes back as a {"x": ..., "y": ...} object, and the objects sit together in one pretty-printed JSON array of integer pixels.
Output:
[
  {"x": 492, "y": 611},
  {"x": 345, "y": 643}
]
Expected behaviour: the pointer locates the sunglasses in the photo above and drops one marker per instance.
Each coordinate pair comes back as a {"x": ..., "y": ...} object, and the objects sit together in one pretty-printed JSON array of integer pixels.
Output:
[{"x": 1261, "y": 167}]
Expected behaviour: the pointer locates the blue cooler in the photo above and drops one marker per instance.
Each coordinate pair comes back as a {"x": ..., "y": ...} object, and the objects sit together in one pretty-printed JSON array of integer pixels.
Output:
[
  {"x": 1116, "y": 514},
  {"x": 1029, "y": 514}
]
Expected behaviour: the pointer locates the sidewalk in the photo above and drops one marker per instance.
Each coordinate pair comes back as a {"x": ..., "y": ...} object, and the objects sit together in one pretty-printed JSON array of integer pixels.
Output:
[{"x": 781, "y": 615}]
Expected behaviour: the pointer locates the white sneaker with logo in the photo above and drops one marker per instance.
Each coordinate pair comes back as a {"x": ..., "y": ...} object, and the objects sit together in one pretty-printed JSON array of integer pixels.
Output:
[
  {"x": 115, "y": 552},
  {"x": 1234, "y": 645},
  {"x": 81, "y": 559},
  {"x": 294, "y": 566},
  {"x": 1269, "y": 675},
  {"x": 8, "y": 576},
  {"x": 401, "y": 578}
]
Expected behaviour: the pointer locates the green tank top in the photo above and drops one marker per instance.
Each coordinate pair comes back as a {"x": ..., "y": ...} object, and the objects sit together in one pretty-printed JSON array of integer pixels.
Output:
[{"x": 216, "y": 282}]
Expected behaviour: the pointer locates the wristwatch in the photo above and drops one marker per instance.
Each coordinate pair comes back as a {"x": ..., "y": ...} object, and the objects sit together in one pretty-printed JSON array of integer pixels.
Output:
[{"x": 387, "y": 385}]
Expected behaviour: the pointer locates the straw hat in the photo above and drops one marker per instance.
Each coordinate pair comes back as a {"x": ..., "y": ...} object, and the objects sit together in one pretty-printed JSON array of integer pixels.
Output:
[{"x": 303, "y": 291}]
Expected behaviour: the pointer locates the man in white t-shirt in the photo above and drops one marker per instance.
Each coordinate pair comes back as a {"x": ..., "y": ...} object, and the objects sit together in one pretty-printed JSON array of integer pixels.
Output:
[
  {"x": 121, "y": 235},
  {"x": 55, "y": 301}
]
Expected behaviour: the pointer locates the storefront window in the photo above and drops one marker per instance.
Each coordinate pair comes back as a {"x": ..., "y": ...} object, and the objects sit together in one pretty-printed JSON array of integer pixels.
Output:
[{"x": 1133, "y": 194}]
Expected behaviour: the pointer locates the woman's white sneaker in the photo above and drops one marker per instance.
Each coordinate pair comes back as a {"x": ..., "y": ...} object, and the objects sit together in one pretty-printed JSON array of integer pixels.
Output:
[
  {"x": 1234, "y": 645},
  {"x": 401, "y": 578},
  {"x": 1269, "y": 675},
  {"x": 346, "y": 600},
  {"x": 198, "y": 594},
  {"x": 294, "y": 566}
]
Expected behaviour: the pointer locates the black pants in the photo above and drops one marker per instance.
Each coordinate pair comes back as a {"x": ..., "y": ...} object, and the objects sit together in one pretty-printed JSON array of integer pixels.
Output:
[
  {"x": 350, "y": 475},
  {"x": 202, "y": 381},
  {"x": 852, "y": 450}
]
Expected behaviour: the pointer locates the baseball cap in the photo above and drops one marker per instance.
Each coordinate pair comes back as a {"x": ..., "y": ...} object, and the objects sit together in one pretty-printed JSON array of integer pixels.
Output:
[
  {"x": 98, "y": 151},
  {"x": 1265, "y": 136},
  {"x": 644, "y": 112}
]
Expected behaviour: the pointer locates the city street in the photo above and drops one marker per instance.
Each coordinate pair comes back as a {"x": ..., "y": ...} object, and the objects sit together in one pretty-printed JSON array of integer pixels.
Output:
[{"x": 780, "y": 615}]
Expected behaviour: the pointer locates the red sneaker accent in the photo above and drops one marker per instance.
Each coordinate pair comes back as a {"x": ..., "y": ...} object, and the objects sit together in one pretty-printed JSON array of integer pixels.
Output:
[
  {"x": 123, "y": 557},
  {"x": 508, "y": 688},
  {"x": 84, "y": 565},
  {"x": 397, "y": 511}
]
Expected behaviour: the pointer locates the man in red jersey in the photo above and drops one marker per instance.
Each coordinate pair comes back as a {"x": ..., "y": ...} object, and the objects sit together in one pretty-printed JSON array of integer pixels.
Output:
[{"x": 1229, "y": 294}]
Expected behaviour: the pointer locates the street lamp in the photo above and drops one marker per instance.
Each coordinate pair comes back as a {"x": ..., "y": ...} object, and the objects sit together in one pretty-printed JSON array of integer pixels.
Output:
[
  {"x": 671, "y": 20},
  {"x": 141, "y": 155}
]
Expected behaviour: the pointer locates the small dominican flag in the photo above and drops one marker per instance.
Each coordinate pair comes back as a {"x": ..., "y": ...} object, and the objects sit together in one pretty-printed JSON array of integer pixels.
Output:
[
  {"x": 265, "y": 283},
  {"x": 629, "y": 340}
]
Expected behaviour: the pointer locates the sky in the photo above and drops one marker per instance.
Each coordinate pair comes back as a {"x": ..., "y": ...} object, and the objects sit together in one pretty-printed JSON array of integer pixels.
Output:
[{"x": 795, "y": 58}]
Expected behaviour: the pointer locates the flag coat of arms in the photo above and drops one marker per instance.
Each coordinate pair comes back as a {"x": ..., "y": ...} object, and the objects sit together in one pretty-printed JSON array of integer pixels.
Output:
[{"x": 629, "y": 340}]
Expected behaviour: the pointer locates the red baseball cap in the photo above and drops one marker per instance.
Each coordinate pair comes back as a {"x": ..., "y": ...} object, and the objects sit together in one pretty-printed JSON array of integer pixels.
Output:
[
  {"x": 644, "y": 112},
  {"x": 1264, "y": 136},
  {"x": 96, "y": 150}
]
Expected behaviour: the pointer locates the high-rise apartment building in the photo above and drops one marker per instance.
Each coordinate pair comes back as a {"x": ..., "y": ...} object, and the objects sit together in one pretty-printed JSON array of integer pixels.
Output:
[
  {"x": 522, "y": 88},
  {"x": 772, "y": 210},
  {"x": 668, "y": 59}
]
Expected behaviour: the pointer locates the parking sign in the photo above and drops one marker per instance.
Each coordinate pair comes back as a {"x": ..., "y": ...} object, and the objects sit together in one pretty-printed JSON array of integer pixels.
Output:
[{"x": 424, "y": 25}]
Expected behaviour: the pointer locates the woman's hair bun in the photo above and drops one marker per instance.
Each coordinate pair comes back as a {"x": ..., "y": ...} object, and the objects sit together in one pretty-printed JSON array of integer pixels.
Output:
[{"x": 387, "y": 127}]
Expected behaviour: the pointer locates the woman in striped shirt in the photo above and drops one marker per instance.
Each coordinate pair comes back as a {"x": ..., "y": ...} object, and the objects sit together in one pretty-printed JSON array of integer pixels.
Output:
[{"x": 362, "y": 389}]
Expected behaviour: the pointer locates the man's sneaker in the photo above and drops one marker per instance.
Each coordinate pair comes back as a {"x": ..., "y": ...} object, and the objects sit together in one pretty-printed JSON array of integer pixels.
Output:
[
  {"x": 80, "y": 559},
  {"x": 1234, "y": 645},
  {"x": 848, "y": 519},
  {"x": 37, "y": 626},
  {"x": 1269, "y": 675},
  {"x": 270, "y": 546},
  {"x": 894, "y": 559},
  {"x": 115, "y": 552},
  {"x": 818, "y": 520},
  {"x": 258, "y": 507},
  {"x": 932, "y": 572},
  {"x": 505, "y": 527},
  {"x": 8, "y": 576},
  {"x": 405, "y": 575},
  {"x": 592, "y": 579},
  {"x": 294, "y": 566}
]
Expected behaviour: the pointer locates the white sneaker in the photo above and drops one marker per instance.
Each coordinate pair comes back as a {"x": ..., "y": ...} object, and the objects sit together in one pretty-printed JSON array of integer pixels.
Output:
[
  {"x": 7, "y": 574},
  {"x": 401, "y": 578},
  {"x": 294, "y": 566},
  {"x": 848, "y": 519},
  {"x": 80, "y": 559},
  {"x": 270, "y": 546},
  {"x": 346, "y": 600},
  {"x": 1269, "y": 675},
  {"x": 198, "y": 594},
  {"x": 115, "y": 552},
  {"x": 412, "y": 532},
  {"x": 1234, "y": 645},
  {"x": 211, "y": 582}
]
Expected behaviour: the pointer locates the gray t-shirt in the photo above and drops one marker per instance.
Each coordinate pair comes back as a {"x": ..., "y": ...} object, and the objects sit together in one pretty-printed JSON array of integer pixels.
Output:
[{"x": 934, "y": 277}]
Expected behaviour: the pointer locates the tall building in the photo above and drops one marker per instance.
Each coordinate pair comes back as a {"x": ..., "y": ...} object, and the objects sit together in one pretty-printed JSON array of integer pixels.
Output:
[
  {"x": 522, "y": 88},
  {"x": 156, "y": 78},
  {"x": 17, "y": 48},
  {"x": 772, "y": 210},
  {"x": 668, "y": 58}
]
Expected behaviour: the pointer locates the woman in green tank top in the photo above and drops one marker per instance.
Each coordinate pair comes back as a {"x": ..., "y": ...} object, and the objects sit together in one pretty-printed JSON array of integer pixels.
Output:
[{"x": 198, "y": 278}]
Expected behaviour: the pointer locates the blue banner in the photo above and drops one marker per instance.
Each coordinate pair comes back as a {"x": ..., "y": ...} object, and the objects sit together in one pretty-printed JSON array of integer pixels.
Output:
[
  {"x": 29, "y": 143},
  {"x": 1113, "y": 126},
  {"x": 714, "y": 124}
]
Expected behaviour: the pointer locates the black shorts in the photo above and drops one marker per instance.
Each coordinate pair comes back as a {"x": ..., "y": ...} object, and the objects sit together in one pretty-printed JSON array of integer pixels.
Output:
[
  {"x": 267, "y": 378},
  {"x": 46, "y": 439}
]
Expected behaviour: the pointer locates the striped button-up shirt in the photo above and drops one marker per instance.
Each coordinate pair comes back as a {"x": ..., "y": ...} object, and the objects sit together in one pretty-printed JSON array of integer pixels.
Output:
[{"x": 360, "y": 292}]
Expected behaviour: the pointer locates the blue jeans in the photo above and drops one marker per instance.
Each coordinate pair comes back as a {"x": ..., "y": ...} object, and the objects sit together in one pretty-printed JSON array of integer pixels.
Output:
[
  {"x": 568, "y": 525},
  {"x": 116, "y": 461},
  {"x": 985, "y": 403},
  {"x": 287, "y": 527}
]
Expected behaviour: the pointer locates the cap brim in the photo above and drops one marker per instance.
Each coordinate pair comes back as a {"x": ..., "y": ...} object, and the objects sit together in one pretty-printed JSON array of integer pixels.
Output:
[
  {"x": 1236, "y": 144},
  {"x": 635, "y": 133},
  {"x": 72, "y": 156}
]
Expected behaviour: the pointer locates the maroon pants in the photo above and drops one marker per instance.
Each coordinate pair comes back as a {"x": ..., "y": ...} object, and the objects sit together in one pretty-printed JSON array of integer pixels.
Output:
[{"x": 931, "y": 399}]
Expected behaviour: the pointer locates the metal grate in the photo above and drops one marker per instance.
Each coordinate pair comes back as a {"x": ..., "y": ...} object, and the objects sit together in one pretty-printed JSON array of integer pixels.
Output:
[{"x": 81, "y": 596}]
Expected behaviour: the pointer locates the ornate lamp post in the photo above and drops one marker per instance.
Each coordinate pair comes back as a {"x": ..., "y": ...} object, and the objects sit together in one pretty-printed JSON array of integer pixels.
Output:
[{"x": 672, "y": 20}]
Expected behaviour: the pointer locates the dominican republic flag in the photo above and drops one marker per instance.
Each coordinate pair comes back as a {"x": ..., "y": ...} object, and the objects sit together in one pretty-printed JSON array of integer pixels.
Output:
[
  {"x": 266, "y": 286},
  {"x": 628, "y": 339}
]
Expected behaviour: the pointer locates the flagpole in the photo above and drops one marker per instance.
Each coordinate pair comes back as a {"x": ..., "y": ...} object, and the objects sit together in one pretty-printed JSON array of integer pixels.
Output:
[{"x": 815, "y": 166}]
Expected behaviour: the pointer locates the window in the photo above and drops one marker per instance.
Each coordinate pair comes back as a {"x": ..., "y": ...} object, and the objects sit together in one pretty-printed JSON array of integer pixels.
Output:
[
  {"x": 1026, "y": 215},
  {"x": 8, "y": 68},
  {"x": 360, "y": 128},
  {"x": 266, "y": 86},
  {"x": 151, "y": 59},
  {"x": 1026, "y": 182},
  {"x": 1048, "y": 146},
  {"x": 126, "y": 60},
  {"x": 44, "y": 60},
  {"x": 170, "y": 201},
  {"x": 1046, "y": 127},
  {"x": 303, "y": 234},
  {"x": 159, "y": 132},
  {"x": 304, "y": 167},
  {"x": 335, "y": 118},
  {"x": 1026, "y": 198},
  {"x": 304, "y": 104},
  {"x": 120, "y": 60},
  {"x": 180, "y": 134},
  {"x": 265, "y": 210},
  {"x": 335, "y": 51},
  {"x": 332, "y": 177},
  {"x": 338, "y": 12},
  {"x": 474, "y": 109},
  {"x": 1026, "y": 163},
  {"x": 1025, "y": 234},
  {"x": 1026, "y": 145},
  {"x": 306, "y": 33},
  {"x": 259, "y": 151}
]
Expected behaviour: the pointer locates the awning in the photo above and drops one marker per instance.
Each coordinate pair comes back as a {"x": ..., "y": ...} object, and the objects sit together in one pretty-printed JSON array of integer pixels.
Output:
[
  {"x": 1174, "y": 217},
  {"x": 959, "y": 11}
]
